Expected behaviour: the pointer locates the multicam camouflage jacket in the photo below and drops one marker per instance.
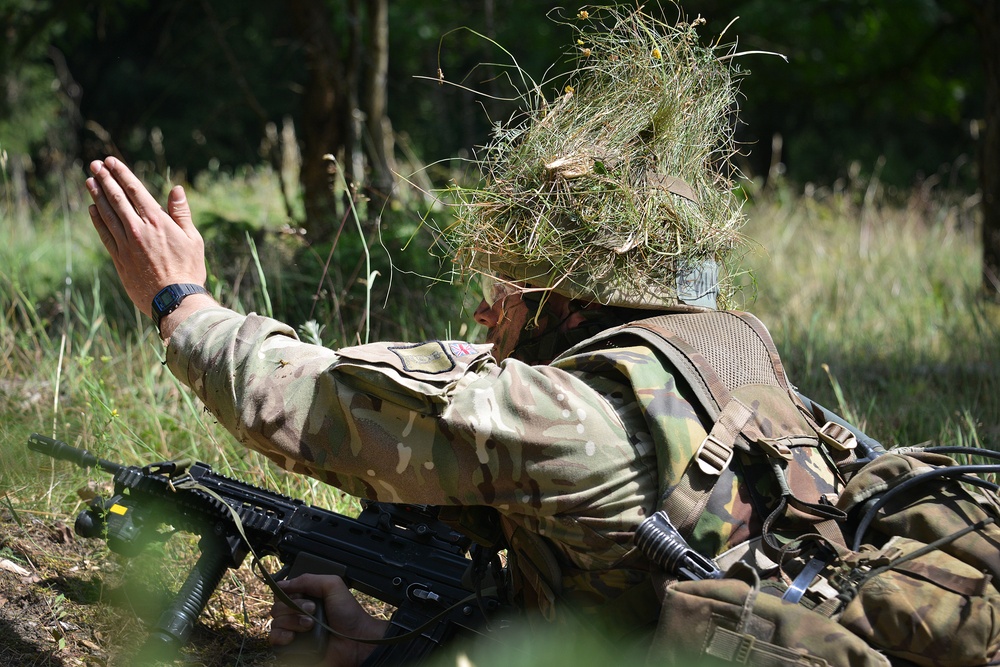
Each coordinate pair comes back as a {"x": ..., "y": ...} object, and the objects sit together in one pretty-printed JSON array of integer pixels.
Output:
[{"x": 574, "y": 452}]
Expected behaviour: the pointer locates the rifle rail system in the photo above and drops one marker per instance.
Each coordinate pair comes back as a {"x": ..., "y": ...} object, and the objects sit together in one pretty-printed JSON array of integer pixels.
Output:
[{"x": 400, "y": 554}]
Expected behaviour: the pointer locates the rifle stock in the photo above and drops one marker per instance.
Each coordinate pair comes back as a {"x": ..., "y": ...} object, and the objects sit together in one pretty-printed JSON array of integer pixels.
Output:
[{"x": 400, "y": 554}]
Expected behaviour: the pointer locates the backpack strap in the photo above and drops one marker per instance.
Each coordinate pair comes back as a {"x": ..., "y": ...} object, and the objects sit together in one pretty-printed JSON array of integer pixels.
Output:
[
  {"x": 686, "y": 501},
  {"x": 704, "y": 347},
  {"x": 720, "y": 354}
]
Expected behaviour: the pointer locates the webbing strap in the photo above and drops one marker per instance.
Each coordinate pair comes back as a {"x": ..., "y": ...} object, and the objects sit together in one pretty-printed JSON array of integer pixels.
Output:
[
  {"x": 687, "y": 360},
  {"x": 744, "y": 649},
  {"x": 686, "y": 501},
  {"x": 830, "y": 530},
  {"x": 733, "y": 419}
]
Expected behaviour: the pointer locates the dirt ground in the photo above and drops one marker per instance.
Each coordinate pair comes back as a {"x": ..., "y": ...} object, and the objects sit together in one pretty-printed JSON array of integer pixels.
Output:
[{"x": 67, "y": 601}]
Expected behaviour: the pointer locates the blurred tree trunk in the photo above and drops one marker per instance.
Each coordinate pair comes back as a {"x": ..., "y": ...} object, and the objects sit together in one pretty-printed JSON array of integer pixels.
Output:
[
  {"x": 325, "y": 115},
  {"x": 353, "y": 155},
  {"x": 988, "y": 21},
  {"x": 382, "y": 179},
  {"x": 343, "y": 102}
]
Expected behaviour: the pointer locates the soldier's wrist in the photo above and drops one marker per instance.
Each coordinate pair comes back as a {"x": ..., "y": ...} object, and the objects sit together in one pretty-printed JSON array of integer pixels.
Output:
[{"x": 190, "y": 305}]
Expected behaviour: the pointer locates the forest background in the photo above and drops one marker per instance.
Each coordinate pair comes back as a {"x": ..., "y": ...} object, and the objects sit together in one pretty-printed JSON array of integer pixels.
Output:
[
  {"x": 314, "y": 135},
  {"x": 868, "y": 162}
]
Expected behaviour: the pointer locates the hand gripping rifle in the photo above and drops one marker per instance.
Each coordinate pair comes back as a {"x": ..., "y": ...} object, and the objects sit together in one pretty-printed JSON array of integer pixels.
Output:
[{"x": 400, "y": 554}]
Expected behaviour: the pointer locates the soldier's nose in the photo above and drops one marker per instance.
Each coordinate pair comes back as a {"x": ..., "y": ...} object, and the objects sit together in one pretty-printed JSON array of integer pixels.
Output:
[{"x": 485, "y": 315}]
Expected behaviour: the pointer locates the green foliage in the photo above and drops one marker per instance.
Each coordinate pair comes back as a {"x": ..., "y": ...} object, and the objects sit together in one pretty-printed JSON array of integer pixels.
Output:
[
  {"x": 893, "y": 85},
  {"x": 206, "y": 78},
  {"x": 28, "y": 110},
  {"x": 866, "y": 79},
  {"x": 445, "y": 121},
  {"x": 325, "y": 283},
  {"x": 38, "y": 98}
]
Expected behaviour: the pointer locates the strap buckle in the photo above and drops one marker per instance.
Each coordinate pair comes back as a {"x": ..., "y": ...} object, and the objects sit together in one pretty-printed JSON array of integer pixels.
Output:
[
  {"x": 838, "y": 437},
  {"x": 713, "y": 456},
  {"x": 775, "y": 449}
]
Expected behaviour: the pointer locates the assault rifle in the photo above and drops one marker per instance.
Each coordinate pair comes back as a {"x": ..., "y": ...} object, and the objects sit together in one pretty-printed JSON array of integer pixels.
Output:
[{"x": 400, "y": 554}]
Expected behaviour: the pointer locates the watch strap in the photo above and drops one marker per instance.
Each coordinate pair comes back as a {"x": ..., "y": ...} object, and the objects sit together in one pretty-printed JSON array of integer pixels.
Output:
[{"x": 169, "y": 298}]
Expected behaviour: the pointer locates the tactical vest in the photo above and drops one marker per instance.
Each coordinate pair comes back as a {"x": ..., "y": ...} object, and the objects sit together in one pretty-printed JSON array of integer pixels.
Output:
[{"x": 832, "y": 576}]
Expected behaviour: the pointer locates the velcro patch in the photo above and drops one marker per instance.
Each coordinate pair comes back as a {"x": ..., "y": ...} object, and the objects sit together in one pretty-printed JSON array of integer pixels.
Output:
[{"x": 430, "y": 357}]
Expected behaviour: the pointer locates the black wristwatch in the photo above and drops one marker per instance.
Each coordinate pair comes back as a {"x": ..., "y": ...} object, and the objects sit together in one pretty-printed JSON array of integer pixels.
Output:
[{"x": 168, "y": 298}]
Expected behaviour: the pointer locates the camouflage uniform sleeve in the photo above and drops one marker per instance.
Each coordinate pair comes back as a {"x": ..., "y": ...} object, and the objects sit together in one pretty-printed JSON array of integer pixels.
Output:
[{"x": 438, "y": 422}]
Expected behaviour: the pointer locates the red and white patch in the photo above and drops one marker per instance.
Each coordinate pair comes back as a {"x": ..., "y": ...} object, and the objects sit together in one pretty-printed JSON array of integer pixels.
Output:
[{"x": 462, "y": 349}]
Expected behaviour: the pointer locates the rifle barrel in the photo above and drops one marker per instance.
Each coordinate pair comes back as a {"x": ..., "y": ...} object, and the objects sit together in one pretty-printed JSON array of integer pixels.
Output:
[{"x": 58, "y": 449}]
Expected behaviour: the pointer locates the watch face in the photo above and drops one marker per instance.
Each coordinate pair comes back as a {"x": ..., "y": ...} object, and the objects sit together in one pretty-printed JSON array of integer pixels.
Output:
[{"x": 165, "y": 299}]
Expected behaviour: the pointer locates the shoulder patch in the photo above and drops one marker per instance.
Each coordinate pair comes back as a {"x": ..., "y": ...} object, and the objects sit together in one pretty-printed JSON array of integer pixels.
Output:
[
  {"x": 430, "y": 357},
  {"x": 460, "y": 349}
]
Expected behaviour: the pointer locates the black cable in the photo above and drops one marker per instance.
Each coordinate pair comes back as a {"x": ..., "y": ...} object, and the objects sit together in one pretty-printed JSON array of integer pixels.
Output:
[{"x": 964, "y": 472}]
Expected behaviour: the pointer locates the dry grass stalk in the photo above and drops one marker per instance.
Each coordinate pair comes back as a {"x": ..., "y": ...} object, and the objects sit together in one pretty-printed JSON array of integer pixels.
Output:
[{"x": 620, "y": 181}]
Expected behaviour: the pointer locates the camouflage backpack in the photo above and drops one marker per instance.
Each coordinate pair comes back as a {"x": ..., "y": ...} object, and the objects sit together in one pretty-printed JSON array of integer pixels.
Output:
[{"x": 864, "y": 557}]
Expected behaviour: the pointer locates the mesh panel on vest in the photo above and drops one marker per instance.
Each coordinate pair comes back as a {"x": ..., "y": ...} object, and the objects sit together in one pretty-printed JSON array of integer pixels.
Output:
[{"x": 715, "y": 336}]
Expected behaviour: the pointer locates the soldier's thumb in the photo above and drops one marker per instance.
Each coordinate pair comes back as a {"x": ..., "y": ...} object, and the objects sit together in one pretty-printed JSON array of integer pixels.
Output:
[{"x": 177, "y": 207}]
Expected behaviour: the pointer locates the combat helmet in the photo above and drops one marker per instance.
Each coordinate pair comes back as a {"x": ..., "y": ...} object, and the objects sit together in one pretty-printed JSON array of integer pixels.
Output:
[{"x": 619, "y": 190}]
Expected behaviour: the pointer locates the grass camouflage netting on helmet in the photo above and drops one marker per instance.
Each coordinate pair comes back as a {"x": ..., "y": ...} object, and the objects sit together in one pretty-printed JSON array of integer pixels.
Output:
[{"x": 619, "y": 190}]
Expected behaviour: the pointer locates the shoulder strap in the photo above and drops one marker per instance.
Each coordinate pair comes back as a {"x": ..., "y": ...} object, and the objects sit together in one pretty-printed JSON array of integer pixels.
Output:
[
  {"x": 725, "y": 349},
  {"x": 718, "y": 353},
  {"x": 703, "y": 348}
]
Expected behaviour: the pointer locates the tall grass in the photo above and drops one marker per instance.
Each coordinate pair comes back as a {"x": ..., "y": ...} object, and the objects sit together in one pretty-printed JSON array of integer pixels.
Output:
[{"x": 876, "y": 295}]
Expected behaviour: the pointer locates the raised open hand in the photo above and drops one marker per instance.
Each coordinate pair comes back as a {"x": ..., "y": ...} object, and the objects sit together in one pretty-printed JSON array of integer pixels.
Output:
[{"x": 151, "y": 247}]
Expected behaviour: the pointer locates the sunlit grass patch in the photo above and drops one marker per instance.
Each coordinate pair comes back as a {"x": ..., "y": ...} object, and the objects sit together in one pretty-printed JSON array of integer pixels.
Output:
[{"x": 883, "y": 298}]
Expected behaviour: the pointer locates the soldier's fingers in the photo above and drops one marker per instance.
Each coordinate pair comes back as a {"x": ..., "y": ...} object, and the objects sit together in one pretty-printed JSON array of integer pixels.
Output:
[
  {"x": 104, "y": 209},
  {"x": 116, "y": 203},
  {"x": 280, "y": 637},
  {"x": 292, "y": 622},
  {"x": 316, "y": 586},
  {"x": 286, "y": 621},
  {"x": 139, "y": 198},
  {"x": 179, "y": 210},
  {"x": 279, "y": 608},
  {"x": 107, "y": 238}
]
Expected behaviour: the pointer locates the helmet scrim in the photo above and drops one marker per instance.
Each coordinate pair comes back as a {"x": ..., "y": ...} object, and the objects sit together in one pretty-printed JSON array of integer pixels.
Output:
[{"x": 619, "y": 191}]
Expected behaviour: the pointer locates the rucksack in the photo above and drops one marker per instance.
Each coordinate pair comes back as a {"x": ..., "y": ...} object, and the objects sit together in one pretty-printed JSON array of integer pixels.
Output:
[{"x": 864, "y": 557}]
